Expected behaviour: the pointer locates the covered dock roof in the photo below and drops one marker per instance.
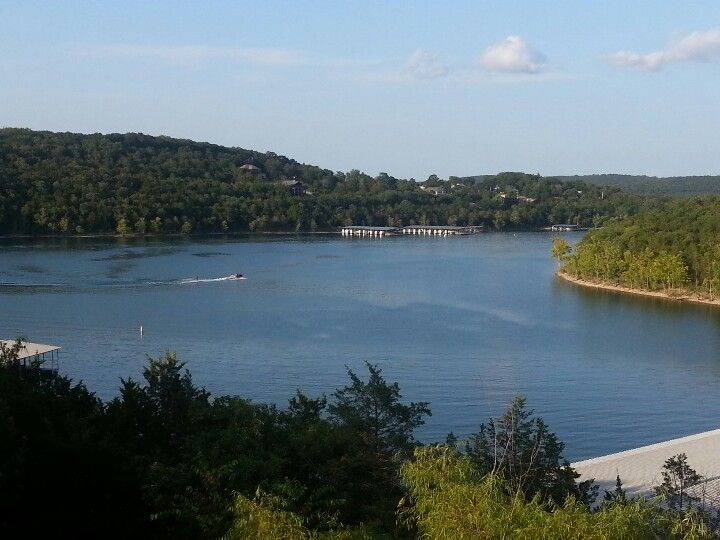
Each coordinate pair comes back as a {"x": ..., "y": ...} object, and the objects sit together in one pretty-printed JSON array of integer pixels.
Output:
[
  {"x": 30, "y": 350},
  {"x": 640, "y": 468},
  {"x": 444, "y": 227},
  {"x": 368, "y": 228}
]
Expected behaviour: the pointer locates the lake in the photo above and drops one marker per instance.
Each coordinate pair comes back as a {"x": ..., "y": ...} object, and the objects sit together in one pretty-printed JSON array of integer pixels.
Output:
[{"x": 461, "y": 322}]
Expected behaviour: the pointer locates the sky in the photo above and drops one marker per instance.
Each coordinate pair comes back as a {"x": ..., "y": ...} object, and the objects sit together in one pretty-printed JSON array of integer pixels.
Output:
[{"x": 411, "y": 88}]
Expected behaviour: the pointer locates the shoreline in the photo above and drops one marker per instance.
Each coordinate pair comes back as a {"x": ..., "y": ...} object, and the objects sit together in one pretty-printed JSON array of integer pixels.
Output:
[
  {"x": 161, "y": 235},
  {"x": 682, "y": 297},
  {"x": 206, "y": 234}
]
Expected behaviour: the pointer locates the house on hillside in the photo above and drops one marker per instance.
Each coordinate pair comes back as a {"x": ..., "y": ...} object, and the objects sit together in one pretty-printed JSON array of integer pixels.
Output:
[
  {"x": 434, "y": 190},
  {"x": 512, "y": 198},
  {"x": 295, "y": 187},
  {"x": 251, "y": 170}
]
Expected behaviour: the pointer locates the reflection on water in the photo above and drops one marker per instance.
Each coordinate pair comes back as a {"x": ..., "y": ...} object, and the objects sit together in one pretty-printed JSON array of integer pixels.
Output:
[{"x": 461, "y": 322}]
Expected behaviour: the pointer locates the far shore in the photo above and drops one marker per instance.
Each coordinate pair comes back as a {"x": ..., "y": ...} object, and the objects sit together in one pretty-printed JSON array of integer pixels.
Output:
[
  {"x": 163, "y": 235},
  {"x": 674, "y": 295},
  {"x": 206, "y": 234}
]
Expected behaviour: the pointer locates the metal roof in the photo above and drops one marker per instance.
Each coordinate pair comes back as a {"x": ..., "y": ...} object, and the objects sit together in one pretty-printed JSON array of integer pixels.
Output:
[
  {"x": 368, "y": 228},
  {"x": 30, "y": 350},
  {"x": 640, "y": 468},
  {"x": 444, "y": 227}
]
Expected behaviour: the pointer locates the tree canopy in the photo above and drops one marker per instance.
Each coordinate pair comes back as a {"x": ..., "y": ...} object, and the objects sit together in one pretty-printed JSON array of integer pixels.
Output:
[
  {"x": 65, "y": 183},
  {"x": 450, "y": 499},
  {"x": 165, "y": 459},
  {"x": 668, "y": 186},
  {"x": 675, "y": 246}
]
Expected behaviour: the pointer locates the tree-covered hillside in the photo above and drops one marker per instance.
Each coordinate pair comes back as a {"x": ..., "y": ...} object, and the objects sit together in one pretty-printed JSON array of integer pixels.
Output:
[
  {"x": 670, "y": 186},
  {"x": 675, "y": 246},
  {"x": 65, "y": 183}
]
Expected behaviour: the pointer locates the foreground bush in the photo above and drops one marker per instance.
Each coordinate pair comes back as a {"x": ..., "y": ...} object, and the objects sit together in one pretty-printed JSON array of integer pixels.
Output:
[
  {"x": 263, "y": 518},
  {"x": 448, "y": 499},
  {"x": 164, "y": 459}
]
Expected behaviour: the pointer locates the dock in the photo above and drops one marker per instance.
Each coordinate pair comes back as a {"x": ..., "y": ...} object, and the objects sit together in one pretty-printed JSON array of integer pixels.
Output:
[
  {"x": 565, "y": 227},
  {"x": 640, "y": 469},
  {"x": 375, "y": 232},
  {"x": 440, "y": 230},
  {"x": 426, "y": 230},
  {"x": 29, "y": 351}
]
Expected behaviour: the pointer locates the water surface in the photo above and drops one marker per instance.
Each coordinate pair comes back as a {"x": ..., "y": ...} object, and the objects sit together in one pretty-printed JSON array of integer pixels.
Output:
[{"x": 462, "y": 322}]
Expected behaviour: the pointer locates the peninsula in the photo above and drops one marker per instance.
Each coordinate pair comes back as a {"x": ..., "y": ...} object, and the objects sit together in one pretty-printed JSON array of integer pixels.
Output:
[{"x": 670, "y": 252}]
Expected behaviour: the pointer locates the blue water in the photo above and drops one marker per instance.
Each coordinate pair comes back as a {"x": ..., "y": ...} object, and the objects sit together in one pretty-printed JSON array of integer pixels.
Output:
[{"x": 461, "y": 322}]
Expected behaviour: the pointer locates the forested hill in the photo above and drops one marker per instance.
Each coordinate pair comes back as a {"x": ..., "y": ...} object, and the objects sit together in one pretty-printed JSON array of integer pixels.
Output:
[
  {"x": 65, "y": 183},
  {"x": 675, "y": 246},
  {"x": 670, "y": 186}
]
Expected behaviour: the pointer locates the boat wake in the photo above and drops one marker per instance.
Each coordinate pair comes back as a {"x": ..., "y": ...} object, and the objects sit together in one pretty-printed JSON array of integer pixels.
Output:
[
  {"x": 20, "y": 287},
  {"x": 32, "y": 287},
  {"x": 187, "y": 281}
]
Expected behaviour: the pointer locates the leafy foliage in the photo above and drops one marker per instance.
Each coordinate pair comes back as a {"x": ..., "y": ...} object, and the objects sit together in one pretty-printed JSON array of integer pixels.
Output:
[
  {"x": 560, "y": 250},
  {"x": 519, "y": 448},
  {"x": 450, "y": 498},
  {"x": 374, "y": 408},
  {"x": 64, "y": 183},
  {"x": 58, "y": 470},
  {"x": 676, "y": 246},
  {"x": 670, "y": 186},
  {"x": 618, "y": 494},
  {"x": 165, "y": 459},
  {"x": 263, "y": 517},
  {"x": 678, "y": 477}
]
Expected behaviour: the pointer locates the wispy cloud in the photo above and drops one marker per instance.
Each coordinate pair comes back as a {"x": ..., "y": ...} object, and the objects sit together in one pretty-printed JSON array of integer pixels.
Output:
[
  {"x": 512, "y": 55},
  {"x": 195, "y": 55},
  {"x": 474, "y": 76},
  {"x": 509, "y": 61},
  {"x": 702, "y": 46},
  {"x": 424, "y": 64}
]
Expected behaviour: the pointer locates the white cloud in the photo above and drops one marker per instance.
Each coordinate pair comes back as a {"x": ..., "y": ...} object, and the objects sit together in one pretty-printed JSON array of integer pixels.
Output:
[
  {"x": 703, "y": 46},
  {"x": 424, "y": 64},
  {"x": 512, "y": 55}
]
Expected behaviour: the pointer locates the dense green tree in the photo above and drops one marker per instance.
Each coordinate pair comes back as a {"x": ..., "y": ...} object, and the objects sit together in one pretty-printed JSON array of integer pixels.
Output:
[
  {"x": 617, "y": 495},
  {"x": 560, "y": 249},
  {"x": 678, "y": 478},
  {"x": 670, "y": 248},
  {"x": 60, "y": 472},
  {"x": 672, "y": 186},
  {"x": 165, "y": 459},
  {"x": 374, "y": 407},
  {"x": 64, "y": 183},
  {"x": 519, "y": 448},
  {"x": 450, "y": 498}
]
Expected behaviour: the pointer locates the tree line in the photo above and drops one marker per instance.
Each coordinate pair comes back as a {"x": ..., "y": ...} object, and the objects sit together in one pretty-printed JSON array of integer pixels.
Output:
[
  {"x": 64, "y": 183},
  {"x": 669, "y": 186},
  {"x": 165, "y": 459},
  {"x": 673, "y": 247}
]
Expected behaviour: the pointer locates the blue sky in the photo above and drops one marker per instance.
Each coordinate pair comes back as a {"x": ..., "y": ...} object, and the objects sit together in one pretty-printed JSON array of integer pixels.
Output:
[{"x": 408, "y": 88}]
